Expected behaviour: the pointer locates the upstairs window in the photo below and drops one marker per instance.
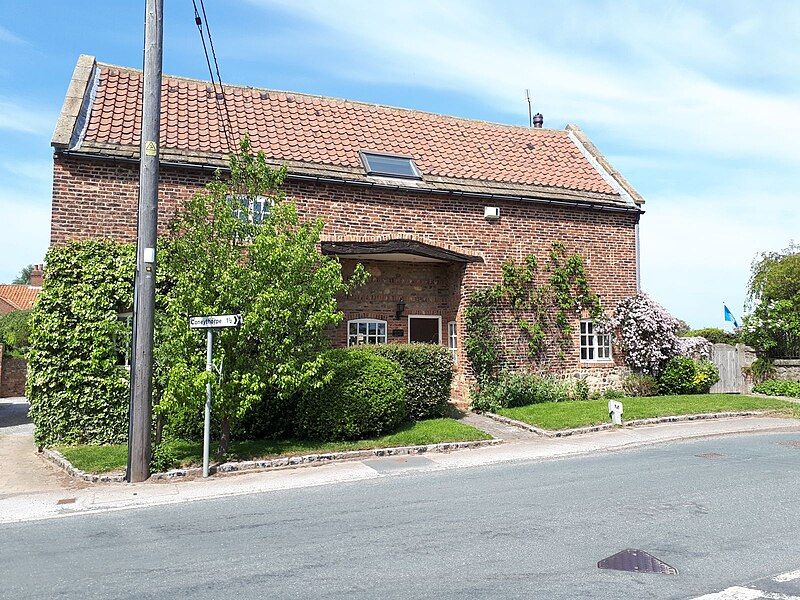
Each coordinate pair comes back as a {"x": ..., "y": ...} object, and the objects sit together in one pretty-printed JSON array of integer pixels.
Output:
[
  {"x": 252, "y": 210},
  {"x": 390, "y": 165},
  {"x": 594, "y": 346}
]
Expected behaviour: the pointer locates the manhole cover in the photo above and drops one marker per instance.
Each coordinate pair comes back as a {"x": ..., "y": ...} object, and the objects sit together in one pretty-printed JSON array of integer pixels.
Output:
[
  {"x": 710, "y": 455},
  {"x": 791, "y": 443},
  {"x": 637, "y": 561}
]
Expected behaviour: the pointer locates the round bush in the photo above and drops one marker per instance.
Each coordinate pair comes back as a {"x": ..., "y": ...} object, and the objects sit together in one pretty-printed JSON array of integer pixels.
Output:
[
  {"x": 363, "y": 396},
  {"x": 683, "y": 375},
  {"x": 427, "y": 372}
]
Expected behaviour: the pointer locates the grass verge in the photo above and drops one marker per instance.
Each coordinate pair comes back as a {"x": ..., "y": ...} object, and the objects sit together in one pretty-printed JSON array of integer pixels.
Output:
[
  {"x": 568, "y": 415},
  {"x": 102, "y": 459}
]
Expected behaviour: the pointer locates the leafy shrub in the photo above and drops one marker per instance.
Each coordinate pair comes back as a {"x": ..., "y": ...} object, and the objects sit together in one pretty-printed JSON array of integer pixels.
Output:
[
  {"x": 510, "y": 390},
  {"x": 77, "y": 389},
  {"x": 272, "y": 416},
  {"x": 361, "y": 396},
  {"x": 427, "y": 372},
  {"x": 15, "y": 332},
  {"x": 613, "y": 394},
  {"x": 777, "y": 387},
  {"x": 682, "y": 375},
  {"x": 715, "y": 335},
  {"x": 163, "y": 458},
  {"x": 580, "y": 390},
  {"x": 640, "y": 385},
  {"x": 762, "y": 369}
]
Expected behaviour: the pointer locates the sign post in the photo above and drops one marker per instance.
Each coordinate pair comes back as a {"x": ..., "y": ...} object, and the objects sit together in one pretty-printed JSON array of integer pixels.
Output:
[{"x": 210, "y": 324}]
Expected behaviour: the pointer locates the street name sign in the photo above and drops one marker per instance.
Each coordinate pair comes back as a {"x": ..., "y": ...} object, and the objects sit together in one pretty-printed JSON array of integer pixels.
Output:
[{"x": 215, "y": 321}]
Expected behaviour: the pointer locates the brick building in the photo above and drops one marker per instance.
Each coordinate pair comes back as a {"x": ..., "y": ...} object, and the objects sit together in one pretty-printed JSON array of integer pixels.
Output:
[{"x": 432, "y": 205}]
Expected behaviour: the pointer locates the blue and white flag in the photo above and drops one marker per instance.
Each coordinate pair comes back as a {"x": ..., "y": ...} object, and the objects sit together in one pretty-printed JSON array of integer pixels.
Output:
[{"x": 729, "y": 316}]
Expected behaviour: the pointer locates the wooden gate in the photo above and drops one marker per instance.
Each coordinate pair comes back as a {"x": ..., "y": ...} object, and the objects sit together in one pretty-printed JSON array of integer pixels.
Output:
[{"x": 731, "y": 360}]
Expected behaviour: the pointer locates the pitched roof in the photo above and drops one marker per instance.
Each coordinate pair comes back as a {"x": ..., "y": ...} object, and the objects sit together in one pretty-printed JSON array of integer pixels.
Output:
[
  {"x": 19, "y": 296},
  {"x": 318, "y": 135}
]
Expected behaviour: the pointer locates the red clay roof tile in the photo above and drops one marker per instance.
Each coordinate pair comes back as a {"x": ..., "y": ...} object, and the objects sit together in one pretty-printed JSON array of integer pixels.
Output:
[
  {"x": 296, "y": 127},
  {"x": 19, "y": 296}
]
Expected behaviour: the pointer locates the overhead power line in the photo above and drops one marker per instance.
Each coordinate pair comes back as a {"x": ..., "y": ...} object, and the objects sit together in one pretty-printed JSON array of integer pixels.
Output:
[{"x": 225, "y": 120}]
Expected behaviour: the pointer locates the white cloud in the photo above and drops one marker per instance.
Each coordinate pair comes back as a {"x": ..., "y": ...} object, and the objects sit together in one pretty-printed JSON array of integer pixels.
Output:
[
  {"x": 9, "y": 37},
  {"x": 699, "y": 104},
  {"x": 24, "y": 233},
  {"x": 626, "y": 70},
  {"x": 16, "y": 117}
]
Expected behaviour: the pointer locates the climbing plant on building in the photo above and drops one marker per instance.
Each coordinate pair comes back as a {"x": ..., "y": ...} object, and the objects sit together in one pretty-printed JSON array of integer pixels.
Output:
[{"x": 537, "y": 306}]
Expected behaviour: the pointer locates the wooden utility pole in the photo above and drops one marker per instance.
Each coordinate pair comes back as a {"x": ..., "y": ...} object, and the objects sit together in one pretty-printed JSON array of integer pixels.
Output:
[{"x": 145, "y": 290}]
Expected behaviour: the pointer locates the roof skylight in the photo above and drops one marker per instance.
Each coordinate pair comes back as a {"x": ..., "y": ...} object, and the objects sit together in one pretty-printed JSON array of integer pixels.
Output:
[{"x": 390, "y": 165}]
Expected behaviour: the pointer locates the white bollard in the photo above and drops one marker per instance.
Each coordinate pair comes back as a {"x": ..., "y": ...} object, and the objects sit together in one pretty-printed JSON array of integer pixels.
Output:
[{"x": 615, "y": 411}]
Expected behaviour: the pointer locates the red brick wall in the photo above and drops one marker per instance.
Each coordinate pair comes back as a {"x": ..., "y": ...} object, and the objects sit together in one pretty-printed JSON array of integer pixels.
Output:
[
  {"x": 12, "y": 375},
  {"x": 98, "y": 199}
]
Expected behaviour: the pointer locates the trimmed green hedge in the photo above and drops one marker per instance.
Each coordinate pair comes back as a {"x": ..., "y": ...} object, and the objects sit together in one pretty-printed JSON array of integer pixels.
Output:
[
  {"x": 77, "y": 390},
  {"x": 778, "y": 387},
  {"x": 362, "y": 396},
  {"x": 428, "y": 373}
]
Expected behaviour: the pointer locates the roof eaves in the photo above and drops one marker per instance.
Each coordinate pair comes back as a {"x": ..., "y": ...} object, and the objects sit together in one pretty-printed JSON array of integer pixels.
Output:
[
  {"x": 613, "y": 177},
  {"x": 335, "y": 174},
  {"x": 74, "y": 101}
]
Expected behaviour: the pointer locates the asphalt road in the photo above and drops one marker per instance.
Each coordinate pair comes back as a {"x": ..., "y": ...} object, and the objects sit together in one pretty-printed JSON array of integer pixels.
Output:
[{"x": 532, "y": 530}]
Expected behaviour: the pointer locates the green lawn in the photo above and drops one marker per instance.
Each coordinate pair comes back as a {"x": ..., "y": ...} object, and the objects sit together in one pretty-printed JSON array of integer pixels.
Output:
[
  {"x": 102, "y": 459},
  {"x": 567, "y": 415}
]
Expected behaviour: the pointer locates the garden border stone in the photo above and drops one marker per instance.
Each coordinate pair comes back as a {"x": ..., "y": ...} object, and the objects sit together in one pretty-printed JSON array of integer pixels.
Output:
[
  {"x": 556, "y": 433},
  {"x": 281, "y": 462}
]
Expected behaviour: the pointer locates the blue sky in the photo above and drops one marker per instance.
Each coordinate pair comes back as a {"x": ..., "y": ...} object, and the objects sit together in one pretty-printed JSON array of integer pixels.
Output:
[{"x": 696, "y": 103}]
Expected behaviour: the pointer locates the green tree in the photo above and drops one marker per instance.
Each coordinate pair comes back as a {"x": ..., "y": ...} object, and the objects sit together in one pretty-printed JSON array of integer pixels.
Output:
[
  {"x": 773, "y": 324},
  {"x": 24, "y": 276},
  {"x": 15, "y": 331},
  {"x": 224, "y": 257}
]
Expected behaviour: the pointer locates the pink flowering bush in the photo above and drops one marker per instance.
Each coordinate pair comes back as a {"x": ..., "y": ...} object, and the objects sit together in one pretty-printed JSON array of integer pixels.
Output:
[
  {"x": 646, "y": 333},
  {"x": 695, "y": 347}
]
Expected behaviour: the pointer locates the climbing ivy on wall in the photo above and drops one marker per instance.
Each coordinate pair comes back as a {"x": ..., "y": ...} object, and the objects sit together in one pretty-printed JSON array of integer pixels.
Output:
[
  {"x": 540, "y": 305},
  {"x": 77, "y": 388}
]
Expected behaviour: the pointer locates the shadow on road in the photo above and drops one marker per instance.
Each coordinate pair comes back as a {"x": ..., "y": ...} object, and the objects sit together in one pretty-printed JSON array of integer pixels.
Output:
[{"x": 13, "y": 413}]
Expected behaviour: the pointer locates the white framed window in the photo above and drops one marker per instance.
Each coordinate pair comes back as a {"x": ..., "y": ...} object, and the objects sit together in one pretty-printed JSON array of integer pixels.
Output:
[
  {"x": 452, "y": 339},
  {"x": 366, "y": 331},
  {"x": 252, "y": 210},
  {"x": 594, "y": 346}
]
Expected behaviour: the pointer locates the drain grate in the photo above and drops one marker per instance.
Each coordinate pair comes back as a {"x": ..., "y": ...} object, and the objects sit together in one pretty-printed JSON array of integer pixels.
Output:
[
  {"x": 637, "y": 561},
  {"x": 67, "y": 501},
  {"x": 710, "y": 455},
  {"x": 791, "y": 443}
]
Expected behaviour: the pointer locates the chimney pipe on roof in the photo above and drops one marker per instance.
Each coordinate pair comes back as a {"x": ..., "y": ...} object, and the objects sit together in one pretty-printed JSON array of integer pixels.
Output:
[{"x": 538, "y": 120}]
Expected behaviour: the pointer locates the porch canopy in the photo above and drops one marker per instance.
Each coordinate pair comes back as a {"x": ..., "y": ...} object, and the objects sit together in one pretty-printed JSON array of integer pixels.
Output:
[{"x": 397, "y": 250}]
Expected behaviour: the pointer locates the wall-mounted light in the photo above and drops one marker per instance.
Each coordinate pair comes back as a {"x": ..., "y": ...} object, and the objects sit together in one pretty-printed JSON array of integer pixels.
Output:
[{"x": 400, "y": 309}]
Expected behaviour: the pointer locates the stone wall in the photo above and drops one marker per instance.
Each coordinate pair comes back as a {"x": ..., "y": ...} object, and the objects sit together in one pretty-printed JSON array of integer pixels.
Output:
[
  {"x": 601, "y": 377},
  {"x": 12, "y": 375},
  {"x": 787, "y": 369}
]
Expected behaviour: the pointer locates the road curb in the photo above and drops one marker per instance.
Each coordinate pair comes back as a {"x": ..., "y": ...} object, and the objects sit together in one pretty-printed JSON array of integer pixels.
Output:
[
  {"x": 282, "y": 462},
  {"x": 549, "y": 433},
  {"x": 61, "y": 461}
]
